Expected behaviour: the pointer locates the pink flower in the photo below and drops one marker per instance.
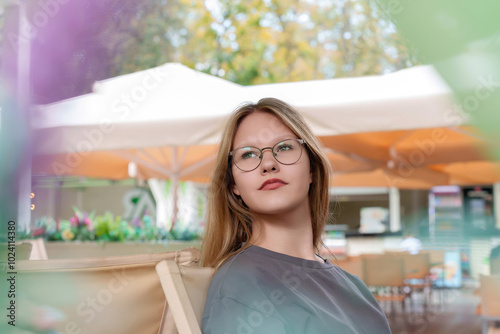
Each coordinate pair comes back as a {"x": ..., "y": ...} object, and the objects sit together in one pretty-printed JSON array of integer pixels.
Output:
[
  {"x": 39, "y": 231},
  {"x": 87, "y": 222},
  {"x": 136, "y": 222},
  {"x": 74, "y": 221}
]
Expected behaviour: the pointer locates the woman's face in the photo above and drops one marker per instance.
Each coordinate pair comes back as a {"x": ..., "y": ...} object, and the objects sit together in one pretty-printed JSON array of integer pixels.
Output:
[{"x": 262, "y": 129}]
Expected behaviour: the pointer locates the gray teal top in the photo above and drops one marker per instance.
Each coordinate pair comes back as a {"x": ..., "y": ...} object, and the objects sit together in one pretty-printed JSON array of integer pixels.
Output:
[{"x": 262, "y": 291}]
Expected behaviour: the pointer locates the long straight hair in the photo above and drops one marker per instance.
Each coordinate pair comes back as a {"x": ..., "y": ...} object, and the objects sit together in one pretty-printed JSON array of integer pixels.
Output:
[{"x": 228, "y": 228}]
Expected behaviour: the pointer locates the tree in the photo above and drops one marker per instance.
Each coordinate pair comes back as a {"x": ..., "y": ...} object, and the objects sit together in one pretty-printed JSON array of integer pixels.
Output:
[
  {"x": 253, "y": 42},
  {"x": 247, "y": 42},
  {"x": 153, "y": 36}
]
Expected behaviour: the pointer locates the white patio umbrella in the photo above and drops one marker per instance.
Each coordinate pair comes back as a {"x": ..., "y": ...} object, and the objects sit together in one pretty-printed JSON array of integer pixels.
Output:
[
  {"x": 149, "y": 119},
  {"x": 167, "y": 120},
  {"x": 172, "y": 105}
]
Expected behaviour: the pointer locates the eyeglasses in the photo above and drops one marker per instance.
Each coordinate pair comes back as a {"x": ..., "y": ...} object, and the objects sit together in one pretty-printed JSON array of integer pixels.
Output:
[{"x": 286, "y": 152}]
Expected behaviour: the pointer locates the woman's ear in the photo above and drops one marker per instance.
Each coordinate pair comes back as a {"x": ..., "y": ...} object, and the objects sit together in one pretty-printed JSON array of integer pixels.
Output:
[{"x": 236, "y": 191}]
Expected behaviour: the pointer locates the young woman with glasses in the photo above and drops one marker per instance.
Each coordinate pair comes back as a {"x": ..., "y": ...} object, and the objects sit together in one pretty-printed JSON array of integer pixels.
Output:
[{"x": 268, "y": 204}]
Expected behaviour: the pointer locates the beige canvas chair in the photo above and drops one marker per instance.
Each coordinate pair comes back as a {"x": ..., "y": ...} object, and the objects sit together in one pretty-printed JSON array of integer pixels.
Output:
[
  {"x": 417, "y": 269},
  {"x": 185, "y": 288},
  {"x": 436, "y": 257},
  {"x": 110, "y": 295},
  {"x": 437, "y": 275},
  {"x": 490, "y": 303},
  {"x": 417, "y": 266},
  {"x": 386, "y": 273},
  {"x": 353, "y": 265}
]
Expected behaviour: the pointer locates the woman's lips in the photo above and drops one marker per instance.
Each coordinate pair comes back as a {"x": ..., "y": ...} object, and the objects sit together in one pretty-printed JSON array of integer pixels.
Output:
[{"x": 272, "y": 184}]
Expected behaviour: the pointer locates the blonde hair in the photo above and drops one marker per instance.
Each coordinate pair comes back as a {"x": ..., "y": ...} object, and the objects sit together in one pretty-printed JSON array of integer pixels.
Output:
[{"x": 229, "y": 221}]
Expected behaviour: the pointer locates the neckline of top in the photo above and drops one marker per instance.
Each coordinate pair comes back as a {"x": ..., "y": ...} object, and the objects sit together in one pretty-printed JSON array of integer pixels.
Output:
[{"x": 312, "y": 264}]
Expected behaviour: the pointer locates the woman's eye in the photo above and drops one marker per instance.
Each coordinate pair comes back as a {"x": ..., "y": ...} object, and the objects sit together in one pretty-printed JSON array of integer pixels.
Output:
[
  {"x": 248, "y": 155},
  {"x": 284, "y": 147}
]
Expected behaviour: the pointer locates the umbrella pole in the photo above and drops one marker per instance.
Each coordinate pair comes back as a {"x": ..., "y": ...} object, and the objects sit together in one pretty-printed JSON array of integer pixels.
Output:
[
  {"x": 175, "y": 182},
  {"x": 394, "y": 210},
  {"x": 175, "y": 187},
  {"x": 158, "y": 190}
]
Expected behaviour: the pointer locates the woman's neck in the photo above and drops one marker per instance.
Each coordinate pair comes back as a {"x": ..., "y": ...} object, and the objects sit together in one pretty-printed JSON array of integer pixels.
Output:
[{"x": 289, "y": 233}]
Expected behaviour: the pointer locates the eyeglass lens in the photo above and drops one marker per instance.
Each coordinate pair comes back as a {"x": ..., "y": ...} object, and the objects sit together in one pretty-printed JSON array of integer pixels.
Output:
[{"x": 286, "y": 152}]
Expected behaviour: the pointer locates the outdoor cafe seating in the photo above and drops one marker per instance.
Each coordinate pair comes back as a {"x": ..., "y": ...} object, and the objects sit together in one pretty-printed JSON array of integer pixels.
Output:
[
  {"x": 394, "y": 276},
  {"x": 169, "y": 290},
  {"x": 490, "y": 303},
  {"x": 122, "y": 294}
]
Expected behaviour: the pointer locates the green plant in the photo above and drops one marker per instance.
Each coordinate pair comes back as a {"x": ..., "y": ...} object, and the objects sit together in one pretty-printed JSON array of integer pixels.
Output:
[{"x": 108, "y": 228}]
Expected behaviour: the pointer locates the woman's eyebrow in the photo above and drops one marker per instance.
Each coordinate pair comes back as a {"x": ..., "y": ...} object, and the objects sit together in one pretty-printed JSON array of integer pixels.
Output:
[{"x": 275, "y": 141}]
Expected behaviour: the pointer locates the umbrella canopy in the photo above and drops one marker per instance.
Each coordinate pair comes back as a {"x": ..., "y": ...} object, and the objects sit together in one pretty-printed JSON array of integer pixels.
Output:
[
  {"x": 420, "y": 158},
  {"x": 170, "y": 105},
  {"x": 412, "y": 98},
  {"x": 167, "y": 120},
  {"x": 399, "y": 129}
]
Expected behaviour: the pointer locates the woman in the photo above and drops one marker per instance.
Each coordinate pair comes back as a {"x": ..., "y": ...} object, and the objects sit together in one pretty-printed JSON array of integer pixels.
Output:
[{"x": 268, "y": 205}]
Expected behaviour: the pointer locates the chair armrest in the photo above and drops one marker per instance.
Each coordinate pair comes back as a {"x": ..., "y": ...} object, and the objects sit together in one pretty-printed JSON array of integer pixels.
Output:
[{"x": 177, "y": 297}]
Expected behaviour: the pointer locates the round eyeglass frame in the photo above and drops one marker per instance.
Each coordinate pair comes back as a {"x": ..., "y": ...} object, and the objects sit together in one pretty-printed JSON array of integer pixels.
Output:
[{"x": 300, "y": 141}]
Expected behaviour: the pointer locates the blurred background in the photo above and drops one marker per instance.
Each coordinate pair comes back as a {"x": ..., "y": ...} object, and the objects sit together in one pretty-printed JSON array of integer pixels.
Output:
[{"x": 110, "y": 113}]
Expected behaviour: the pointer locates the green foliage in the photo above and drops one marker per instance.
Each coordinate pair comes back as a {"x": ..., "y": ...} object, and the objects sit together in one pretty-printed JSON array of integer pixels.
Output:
[
  {"x": 461, "y": 39},
  {"x": 190, "y": 233},
  {"x": 107, "y": 228},
  {"x": 256, "y": 42}
]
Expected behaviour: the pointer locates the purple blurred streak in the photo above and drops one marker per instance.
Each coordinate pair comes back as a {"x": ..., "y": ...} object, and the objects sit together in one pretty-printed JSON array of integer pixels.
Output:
[
  {"x": 76, "y": 47},
  {"x": 71, "y": 45}
]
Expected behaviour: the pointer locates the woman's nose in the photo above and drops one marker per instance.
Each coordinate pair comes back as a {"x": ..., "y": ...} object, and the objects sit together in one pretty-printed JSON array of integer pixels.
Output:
[{"x": 268, "y": 161}]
